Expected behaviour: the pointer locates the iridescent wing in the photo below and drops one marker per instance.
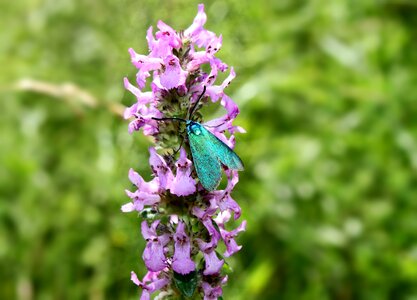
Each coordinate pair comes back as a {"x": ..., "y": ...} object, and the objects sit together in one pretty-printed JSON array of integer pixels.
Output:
[
  {"x": 208, "y": 154},
  {"x": 226, "y": 155}
]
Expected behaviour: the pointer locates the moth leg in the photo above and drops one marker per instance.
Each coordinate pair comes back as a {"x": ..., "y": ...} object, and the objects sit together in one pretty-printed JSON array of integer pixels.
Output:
[{"x": 182, "y": 142}]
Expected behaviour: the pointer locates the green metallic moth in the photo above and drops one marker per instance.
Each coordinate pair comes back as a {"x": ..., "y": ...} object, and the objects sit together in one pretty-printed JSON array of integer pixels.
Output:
[{"x": 208, "y": 151}]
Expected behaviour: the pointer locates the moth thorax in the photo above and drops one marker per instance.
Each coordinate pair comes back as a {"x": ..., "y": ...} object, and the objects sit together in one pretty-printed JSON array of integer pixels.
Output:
[{"x": 195, "y": 128}]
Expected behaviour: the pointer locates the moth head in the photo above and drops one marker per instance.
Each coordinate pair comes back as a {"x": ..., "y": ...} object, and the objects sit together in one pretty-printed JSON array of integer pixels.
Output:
[{"x": 193, "y": 127}]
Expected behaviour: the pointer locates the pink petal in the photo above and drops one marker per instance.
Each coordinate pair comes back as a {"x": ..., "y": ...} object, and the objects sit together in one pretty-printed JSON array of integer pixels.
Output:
[{"x": 182, "y": 262}]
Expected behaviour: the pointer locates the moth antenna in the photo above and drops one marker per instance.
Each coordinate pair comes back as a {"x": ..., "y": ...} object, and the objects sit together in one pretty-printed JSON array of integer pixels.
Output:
[
  {"x": 170, "y": 119},
  {"x": 196, "y": 103}
]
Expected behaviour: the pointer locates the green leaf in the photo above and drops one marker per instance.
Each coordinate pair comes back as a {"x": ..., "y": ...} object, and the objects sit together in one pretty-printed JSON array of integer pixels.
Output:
[{"x": 186, "y": 283}]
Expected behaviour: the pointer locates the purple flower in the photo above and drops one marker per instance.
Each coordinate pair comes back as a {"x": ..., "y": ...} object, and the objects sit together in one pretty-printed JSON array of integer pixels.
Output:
[
  {"x": 153, "y": 255},
  {"x": 143, "y": 111},
  {"x": 224, "y": 199},
  {"x": 197, "y": 59},
  {"x": 173, "y": 76},
  {"x": 211, "y": 293},
  {"x": 231, "y": 113},
  {"x": 205, "y": 216},
  {"x": 158, "y": 48},
  {"x": 216, "y": 91},
  {"x": 224, "y": 122},
  {"x": 183, "y": 184},
  {"x": 168, "y": 35},
  {"x": 182, "y": 262},
  {"x": 228, "y": 236},
  {"x": 213, "y": 263},
  {"x": 146, "y": 194},
  {"x": 144, "y": 64},
  {"x": 142, "y": 99},
  {"x": 207, "y": 56},
  {"x": 198, "y": 23},
  {"x": 161, "y": 169},
  {"x": 148, "y": 288},
  {"x": 196, "y": 32},
  {"x": 147, "y": 187}
]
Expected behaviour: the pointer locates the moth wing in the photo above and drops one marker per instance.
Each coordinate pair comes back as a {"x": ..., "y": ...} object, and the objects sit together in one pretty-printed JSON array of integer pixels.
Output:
[
  {"x": 224, "y": 153},
  {"x": 206, "y": 163}
]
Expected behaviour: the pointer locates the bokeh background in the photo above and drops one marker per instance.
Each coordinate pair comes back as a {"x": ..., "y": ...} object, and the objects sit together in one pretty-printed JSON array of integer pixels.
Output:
[{"x": 327, "y": 91}]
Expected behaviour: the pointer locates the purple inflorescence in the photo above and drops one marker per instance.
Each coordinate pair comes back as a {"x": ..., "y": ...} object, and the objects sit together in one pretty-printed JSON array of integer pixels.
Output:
[{"x": 183, "y": 223}]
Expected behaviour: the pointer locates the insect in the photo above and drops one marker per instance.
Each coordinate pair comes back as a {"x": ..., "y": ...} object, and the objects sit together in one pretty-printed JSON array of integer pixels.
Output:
[{"x": 208, "y": 151}]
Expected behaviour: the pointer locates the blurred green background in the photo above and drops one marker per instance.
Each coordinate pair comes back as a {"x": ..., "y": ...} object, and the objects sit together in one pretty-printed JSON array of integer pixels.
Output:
[{"x": 327, "y": 91}]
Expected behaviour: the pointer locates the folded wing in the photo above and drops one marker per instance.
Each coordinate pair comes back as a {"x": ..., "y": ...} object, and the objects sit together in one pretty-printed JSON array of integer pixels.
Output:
[
  {"x": 209, "y": 153},
  {"x": 206, "y": 164}
]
